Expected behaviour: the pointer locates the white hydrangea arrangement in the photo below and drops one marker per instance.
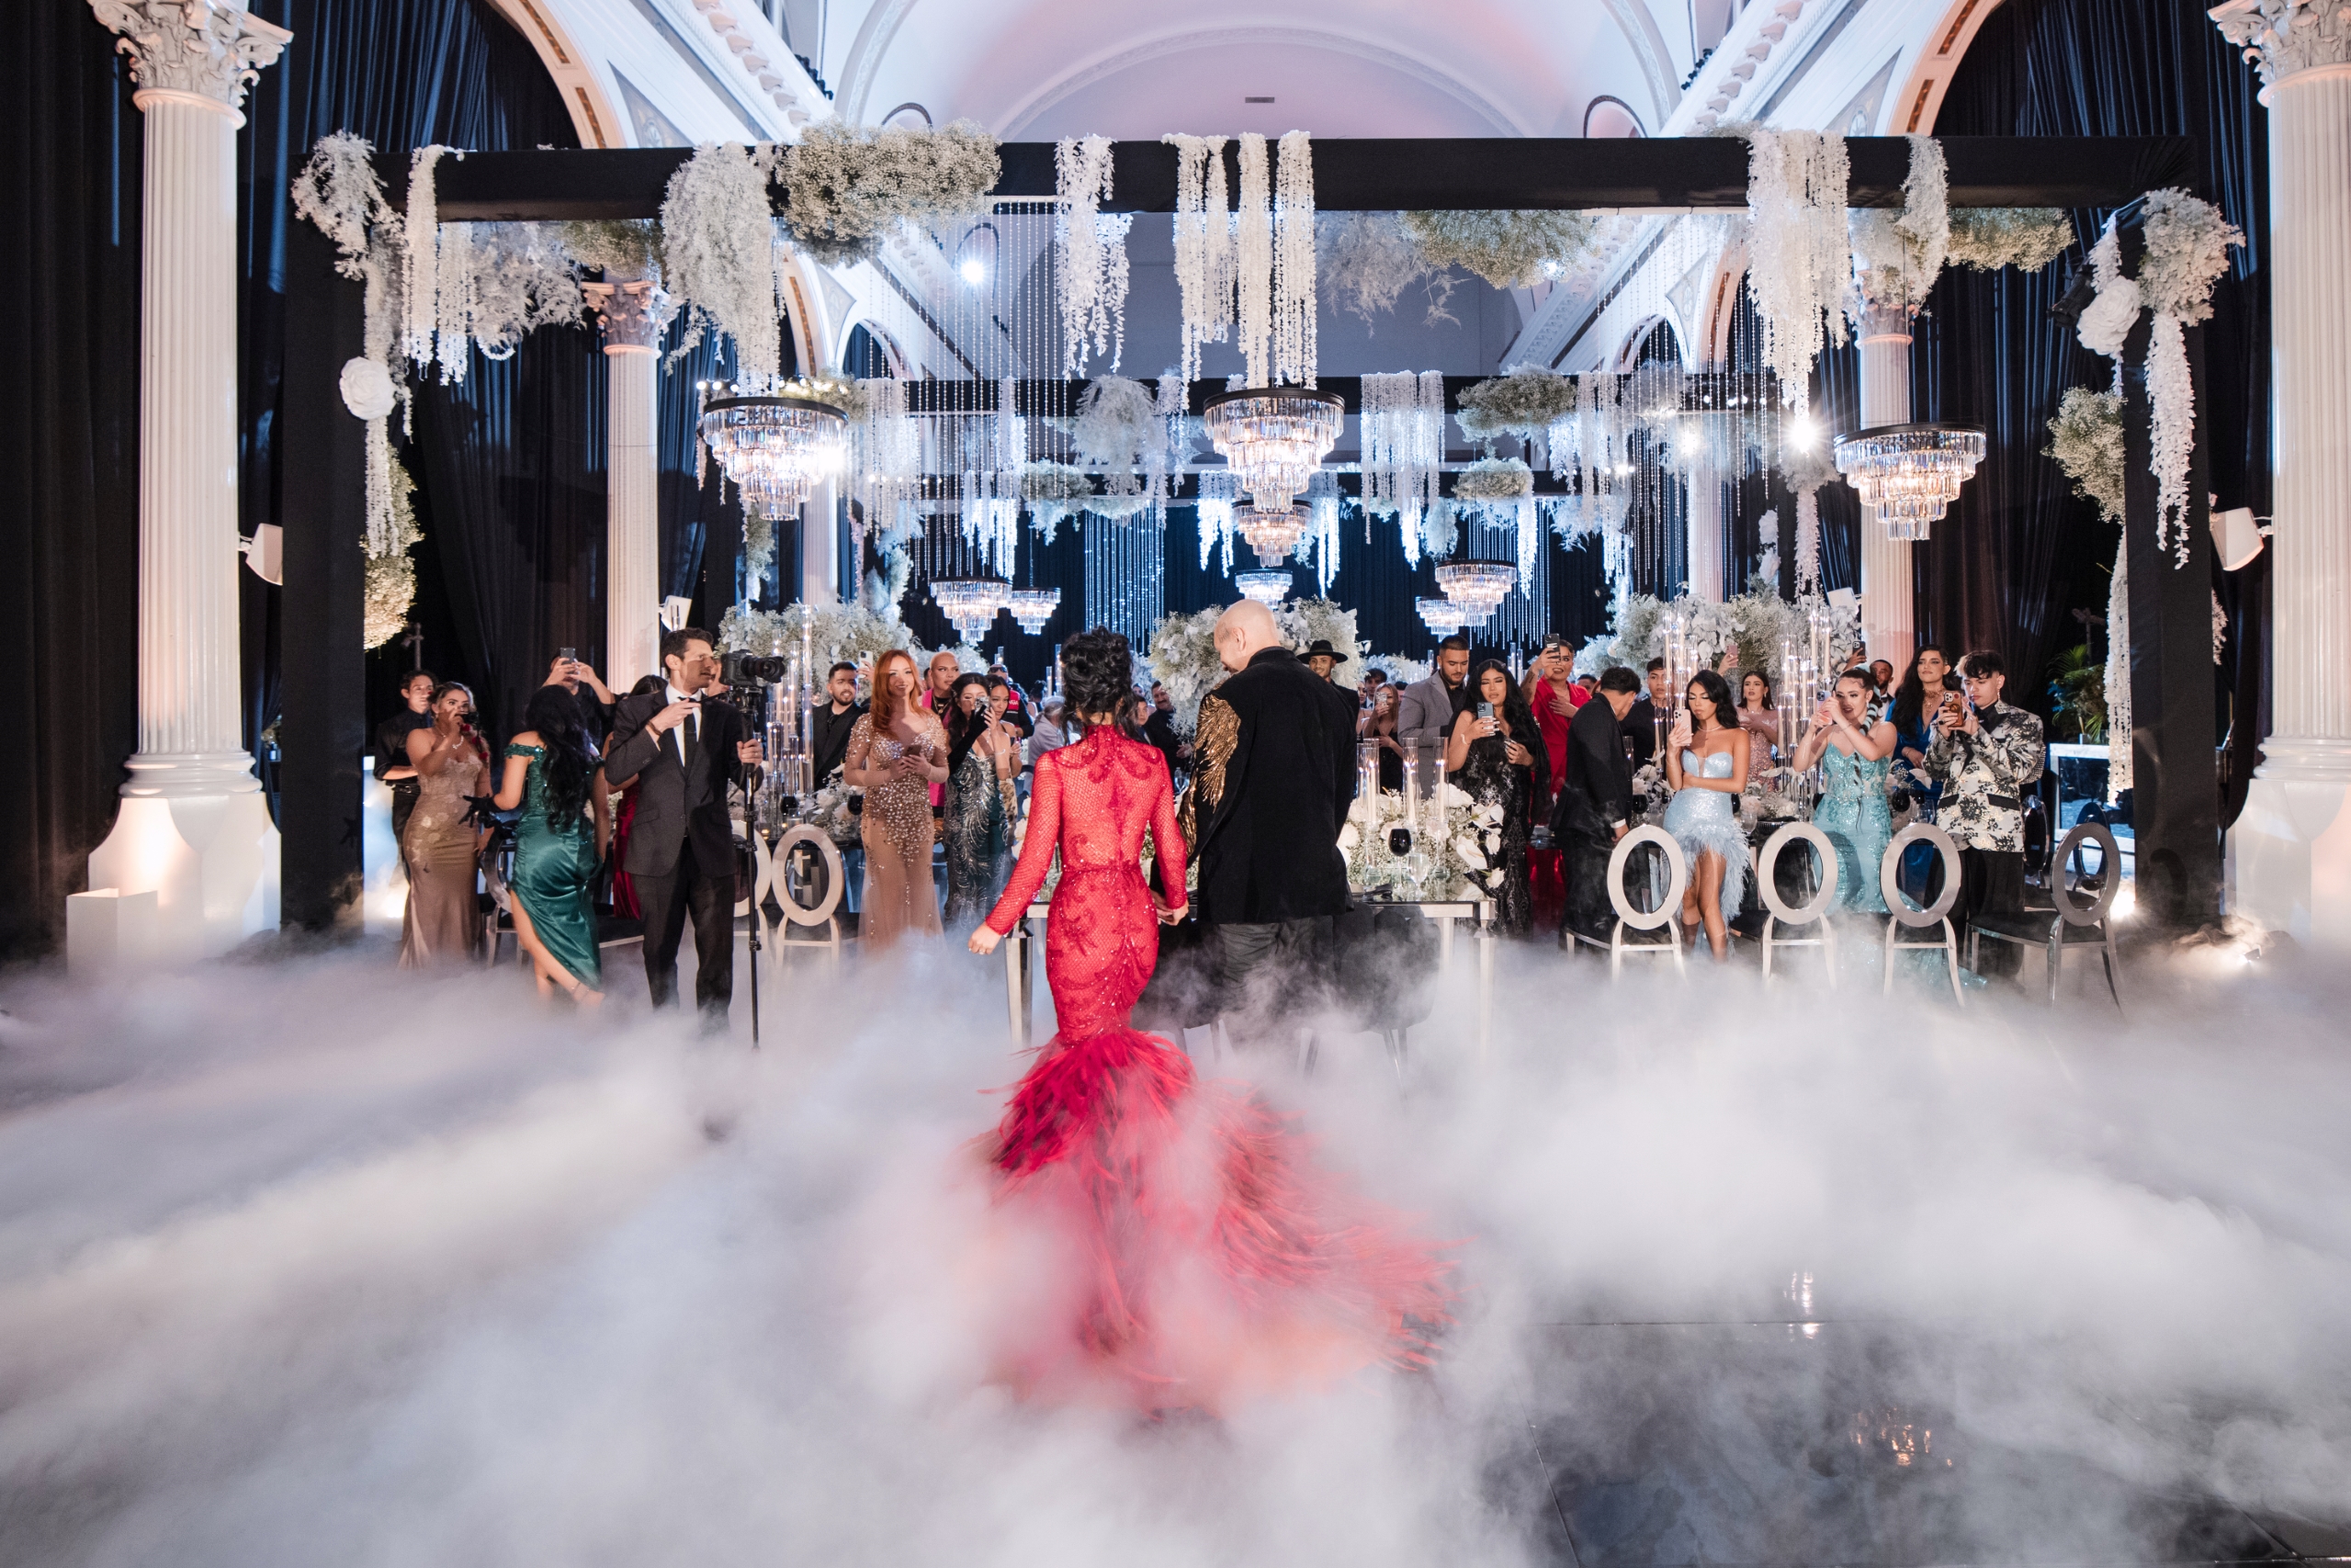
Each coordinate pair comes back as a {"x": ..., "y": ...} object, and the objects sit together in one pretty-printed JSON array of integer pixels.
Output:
[
  {"x": 2027, "y": 238},
  {"x": 391, "y": 571},
  {"x": 1526, "y": 402},
  {"x": 1508, "y": 250},
  {"x": 845, "y": 188}
]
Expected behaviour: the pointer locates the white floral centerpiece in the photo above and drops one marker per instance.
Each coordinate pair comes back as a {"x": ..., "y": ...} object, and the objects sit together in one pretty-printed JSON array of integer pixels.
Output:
[{"x": 1183, "y": 651}]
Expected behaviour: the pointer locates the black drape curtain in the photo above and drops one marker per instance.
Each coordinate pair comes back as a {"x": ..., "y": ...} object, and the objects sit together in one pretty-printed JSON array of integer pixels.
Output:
[
  {"x": 2019, "y": 553},
  {"x": 70, "y": 161},
  {"x": 512, "y": 468},
  {"x": 405, "y": 73}
]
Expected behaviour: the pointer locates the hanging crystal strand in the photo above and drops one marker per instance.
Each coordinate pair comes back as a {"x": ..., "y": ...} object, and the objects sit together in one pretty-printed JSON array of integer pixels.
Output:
[
  {"x": 1253, "y": 259},
  {"x": 1293, "y": 265}
]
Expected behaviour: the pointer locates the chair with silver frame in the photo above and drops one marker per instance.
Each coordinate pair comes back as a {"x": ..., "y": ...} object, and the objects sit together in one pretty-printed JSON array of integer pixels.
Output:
[
  {"x": 2077, "y": 920},
  {"x": 1782, "y": 917},
  {"x": 1625, "y": 937},
  {"x": 1909, "y": 916}
]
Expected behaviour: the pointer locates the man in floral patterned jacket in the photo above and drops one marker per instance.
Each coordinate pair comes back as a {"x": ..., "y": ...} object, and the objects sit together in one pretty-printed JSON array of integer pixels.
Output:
[{"x": 1987, "y": 755}]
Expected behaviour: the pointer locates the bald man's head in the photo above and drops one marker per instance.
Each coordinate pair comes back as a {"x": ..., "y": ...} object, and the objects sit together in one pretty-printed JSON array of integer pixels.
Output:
[{"x": 1243, "y": 632}]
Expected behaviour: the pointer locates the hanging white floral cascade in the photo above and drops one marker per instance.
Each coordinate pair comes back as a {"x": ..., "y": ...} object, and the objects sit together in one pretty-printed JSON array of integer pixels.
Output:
[
  {"x": 1203, "y": 246},
  {"x": 1403, "y": 425},
  {"x": 1320, "y": 541},
  {"x": 2085, "y": 442},
  {"x": 886, "y": 458},
  {"x": 338, "y": 191},
  {"x": 1806, "y": 472},
  {"x": 1117, "y": 429},
  {"x": 2188, "y": 250},
  {"x": 1898, "y": 256},
  {"x": 1255, "y": 270},
  {"x": 1799, "y": 252},
  {"x": 1218, "y": 493},
  {"x": 1091, "y": 263},
  {"x": 719, "y": 238}
]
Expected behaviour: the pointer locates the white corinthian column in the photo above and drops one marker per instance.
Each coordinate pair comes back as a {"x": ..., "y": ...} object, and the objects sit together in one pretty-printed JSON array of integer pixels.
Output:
[
  {"x": 193, "y": 827},
  {"x": 633, "y": 314},
  {"x": 2289, "y": 854},
  {"x": 1888, "y": 617}
]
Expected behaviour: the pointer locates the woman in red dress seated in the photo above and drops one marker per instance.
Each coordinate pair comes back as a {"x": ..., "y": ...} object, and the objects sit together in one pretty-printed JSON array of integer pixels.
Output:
[{"x": 1194, "y": 1255}]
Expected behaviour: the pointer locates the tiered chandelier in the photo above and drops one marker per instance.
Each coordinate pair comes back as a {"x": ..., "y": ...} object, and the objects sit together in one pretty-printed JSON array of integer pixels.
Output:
[
  {"x": 971, "y": 603},
  {"x": 1475, "y": 587},
  {"x": 1268, "y": 588},
  {"x": 775, "y": 449},
  {"x": 1033, "y": 607},
  {"x": 1274, "y": 535},
  {"x": 1909, "y": 474},
  {"x": 1275, "y": 438},
  {"x": 1442, "y": 617}
]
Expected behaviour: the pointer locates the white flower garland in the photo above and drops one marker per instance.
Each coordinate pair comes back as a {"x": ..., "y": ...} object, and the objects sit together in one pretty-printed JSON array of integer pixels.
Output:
[
  {"x": 1508, "y": 250},
  {"x": 1897, "y": 256},
  {"x": 1806, "y": 473},
  {"x": 1294, "y": 347},
  {"x": 1253, "y": 264},
  {"x": 1990, "y": 238},
  {"x": 390, "y": 569},
  {"x": 1800, "y": 254},
  {"x": 1093, "y": 261},
  {"x": 845, "y": 189},
  {"x": 2085, "y": 443},
  {"x": 421, "y": 231},
  {"x": 1203, "y": 246},
  {"x": 2188, "y": 246},
  {"x": 1402, "y": 438},
  {"x": 1219, "y": 493},
  {"x": 719, "y": 237}
]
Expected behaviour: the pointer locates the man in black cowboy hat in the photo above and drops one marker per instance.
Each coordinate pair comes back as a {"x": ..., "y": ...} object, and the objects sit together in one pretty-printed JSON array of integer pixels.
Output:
[{"x": 1321, "y": 657}]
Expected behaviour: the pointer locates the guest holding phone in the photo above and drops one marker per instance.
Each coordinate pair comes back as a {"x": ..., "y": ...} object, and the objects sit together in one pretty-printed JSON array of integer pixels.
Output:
[
  {"x": 1495, "y": 754},
  {"x": 443, "y": 924}
]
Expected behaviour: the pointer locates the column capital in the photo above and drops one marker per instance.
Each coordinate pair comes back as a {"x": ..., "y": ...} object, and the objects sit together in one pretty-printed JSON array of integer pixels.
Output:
[
  {"x": 2287, "y": 38},
  {"x": 192, "y": 50},
  {"x": 631, "y": 313}
]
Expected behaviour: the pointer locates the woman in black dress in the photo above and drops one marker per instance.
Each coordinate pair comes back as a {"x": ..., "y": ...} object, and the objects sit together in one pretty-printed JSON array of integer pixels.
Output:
[{"x": 1497, "y": 755}]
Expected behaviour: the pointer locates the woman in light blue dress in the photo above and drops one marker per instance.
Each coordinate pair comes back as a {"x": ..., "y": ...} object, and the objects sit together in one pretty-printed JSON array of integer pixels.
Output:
[
  {"x": 1706, "y": 763},
  {"x": 1854, "y": 757}
]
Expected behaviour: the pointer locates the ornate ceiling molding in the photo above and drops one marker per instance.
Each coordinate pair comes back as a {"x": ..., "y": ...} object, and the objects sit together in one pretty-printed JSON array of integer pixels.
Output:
[
  {"x": 1649, "y": 48},
  {"x": 1126, "y": 57}
]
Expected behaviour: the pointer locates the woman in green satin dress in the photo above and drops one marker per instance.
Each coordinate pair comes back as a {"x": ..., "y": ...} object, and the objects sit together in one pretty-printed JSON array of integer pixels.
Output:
[
  {"x": 553, "y": 772},
  {"x": 1854, "y": 756}
]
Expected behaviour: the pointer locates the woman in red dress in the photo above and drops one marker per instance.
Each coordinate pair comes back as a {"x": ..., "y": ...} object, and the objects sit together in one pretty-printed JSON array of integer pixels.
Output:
[{"x": 1196, "y": 1255}]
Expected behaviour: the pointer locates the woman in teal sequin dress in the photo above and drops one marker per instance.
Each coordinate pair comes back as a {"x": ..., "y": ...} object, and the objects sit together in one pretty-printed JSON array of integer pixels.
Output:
[
  {"x": 553, "y": 773},
  {"x": 1854, "y": 757}
]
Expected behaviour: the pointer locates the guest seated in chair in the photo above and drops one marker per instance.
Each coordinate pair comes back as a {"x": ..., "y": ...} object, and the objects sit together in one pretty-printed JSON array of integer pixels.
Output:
[{"x": 1986, "y": 755}]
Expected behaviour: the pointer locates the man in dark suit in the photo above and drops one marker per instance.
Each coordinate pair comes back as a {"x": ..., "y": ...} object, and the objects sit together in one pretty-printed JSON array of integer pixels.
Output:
[
  {"x": 682, "y": 752},
  {"x": 1641, "y": 722},
  {"x": 1273, "y": 760},
  {"x": 831, "y": 721},
  {"x": 1595, "y": 801}
]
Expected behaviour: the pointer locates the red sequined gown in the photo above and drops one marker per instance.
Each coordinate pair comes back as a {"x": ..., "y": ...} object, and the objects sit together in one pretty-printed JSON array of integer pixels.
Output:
[{"x": 1191, "y": 1253}]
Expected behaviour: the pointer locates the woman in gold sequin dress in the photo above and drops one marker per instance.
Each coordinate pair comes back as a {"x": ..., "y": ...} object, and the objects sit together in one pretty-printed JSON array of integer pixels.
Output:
[{"x": 896, "y": 753}]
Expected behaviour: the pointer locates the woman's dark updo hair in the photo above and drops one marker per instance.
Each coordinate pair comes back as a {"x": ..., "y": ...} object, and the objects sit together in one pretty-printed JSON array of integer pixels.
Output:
[
  {"x": 963, "y": 728},
  {"x": 568, "y": 758},
  {"x": 1098, "y": 673},
  {"x": 1718, "y": 691}
]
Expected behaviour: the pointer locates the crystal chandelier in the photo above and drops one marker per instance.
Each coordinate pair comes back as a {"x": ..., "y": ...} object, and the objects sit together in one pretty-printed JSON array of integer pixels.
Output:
[
  {"x": 970, "y": 603},
  {"x": 1442, "y": 617},
  {"x": 1032, "y": 607},
  {"x": 1272, "y": 535},
  {"x": 1475, "y": 587},
  {"x": 775, "y": 449},
  {"x": 1275, "y": 437},
  {"x": 1909, "y": 474},
  {"x": 1268, "y": 588}
]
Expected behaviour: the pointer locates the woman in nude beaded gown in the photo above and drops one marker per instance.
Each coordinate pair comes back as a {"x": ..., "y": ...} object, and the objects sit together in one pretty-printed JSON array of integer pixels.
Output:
[
  {"x": 1175, "y": 1247},
  {"x": 896, "y": 753}
]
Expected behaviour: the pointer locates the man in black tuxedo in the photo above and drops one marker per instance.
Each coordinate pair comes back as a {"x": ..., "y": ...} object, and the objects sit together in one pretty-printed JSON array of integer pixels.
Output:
[
  {"x": 1595, "y": 801},
  {"x": 684, "y": 752},
  {"x": 1273, "y": 772},
  {"x": 1641, "y": 722}
]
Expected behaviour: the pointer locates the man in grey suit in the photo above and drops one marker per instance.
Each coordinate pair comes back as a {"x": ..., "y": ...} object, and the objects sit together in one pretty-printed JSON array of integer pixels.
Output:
[
  {"x": 1429, "y": 707},
  {"x": 682, "y": 752}
]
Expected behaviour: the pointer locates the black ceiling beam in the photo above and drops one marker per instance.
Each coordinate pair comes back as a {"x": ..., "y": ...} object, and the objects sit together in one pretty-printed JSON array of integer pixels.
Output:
[
  {"x": 1704, "y": 390},
  {"x": 1383, "y": 176}
]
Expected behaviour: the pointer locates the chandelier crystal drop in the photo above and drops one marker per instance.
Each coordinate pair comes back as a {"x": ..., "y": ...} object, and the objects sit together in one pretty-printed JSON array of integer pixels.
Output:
[
  {"x": 1033, "y": 607},
  {"x": 1268, "y": 588},
  {"x": 970, "y": 603},
  {"x": 1442, "y": 617},
  {"x": 775, "y": 449},
  {"x": 1475, "y": 587},
  {"x": 1272, "y": 535},
  {"x": 1909, "y": 474},
  {"x": 1275, "y": 437}
]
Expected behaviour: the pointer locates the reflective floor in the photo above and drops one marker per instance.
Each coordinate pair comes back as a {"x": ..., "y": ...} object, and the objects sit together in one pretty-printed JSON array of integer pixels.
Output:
[{"x": 1660, "y": 1444}]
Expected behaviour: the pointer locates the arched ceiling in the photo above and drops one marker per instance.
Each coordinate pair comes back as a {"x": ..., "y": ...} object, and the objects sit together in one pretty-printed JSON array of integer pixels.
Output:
[{"x": 1036, "y": 70}]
